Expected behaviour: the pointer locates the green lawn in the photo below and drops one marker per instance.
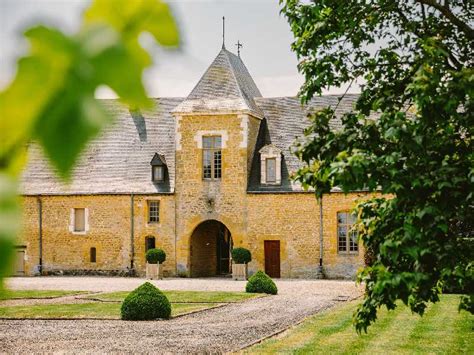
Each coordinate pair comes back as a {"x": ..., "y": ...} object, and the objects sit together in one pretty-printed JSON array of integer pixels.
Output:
[
  {"x": 86, "y": 310},
  {"x": 441, "y": 330},
  {"x": 186, "y": 296},
  {"x": 181, "y": 302},
  {"x": 24, "y": 294}
]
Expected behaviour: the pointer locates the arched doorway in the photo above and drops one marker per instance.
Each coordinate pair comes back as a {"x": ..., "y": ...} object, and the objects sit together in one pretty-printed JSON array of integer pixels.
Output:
[{"x": 211, "y": 243}]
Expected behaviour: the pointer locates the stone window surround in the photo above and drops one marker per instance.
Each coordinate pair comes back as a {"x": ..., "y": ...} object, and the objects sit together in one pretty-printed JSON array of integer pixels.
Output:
[
  {"x": 86, "y": 221},
  {"x": 270, "y": 152},
  {"x": 148, "y": 202},
  {"x": 346, "y": 252},
  {"x": 224, "y": 137}
]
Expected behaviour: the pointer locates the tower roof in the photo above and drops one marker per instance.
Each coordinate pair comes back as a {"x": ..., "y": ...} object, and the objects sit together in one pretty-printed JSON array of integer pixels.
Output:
[{"x": 226, "y": 86}]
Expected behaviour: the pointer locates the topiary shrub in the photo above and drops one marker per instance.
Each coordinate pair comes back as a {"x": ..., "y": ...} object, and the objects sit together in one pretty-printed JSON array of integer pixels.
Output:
[
  {"x": 241, "y": 255},
  {"x": 155, "y": 256},
  {"x": 261, "y": 283},
  {"x": 145, "y": 303}
]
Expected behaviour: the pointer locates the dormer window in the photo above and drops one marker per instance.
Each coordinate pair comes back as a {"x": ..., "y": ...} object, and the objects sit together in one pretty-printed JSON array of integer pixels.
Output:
[
  {"x": 158, "y": 168},
  {"x": 270, "y": 168}
]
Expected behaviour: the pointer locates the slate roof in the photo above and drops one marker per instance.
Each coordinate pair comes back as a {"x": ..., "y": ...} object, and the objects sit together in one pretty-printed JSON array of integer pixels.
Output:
[
  {"x": 285, "y": 120},
  {"x": 226, "y": 86},
  {"x": 118, "y": 161}
]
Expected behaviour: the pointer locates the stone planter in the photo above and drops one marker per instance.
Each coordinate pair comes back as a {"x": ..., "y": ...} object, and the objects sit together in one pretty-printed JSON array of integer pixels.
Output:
[
  {"x": 154, "y": 271},
  {"x": 239, "y": 272}
]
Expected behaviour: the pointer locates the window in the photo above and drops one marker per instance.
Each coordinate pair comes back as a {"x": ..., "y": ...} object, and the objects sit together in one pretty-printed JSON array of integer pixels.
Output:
[
  {"x": 149, "y": 243},
  {"x": 158, "y": 173},
  {"x": 270, "y": 165},
  {"x": 153, "y": 211},
  {"x": 211, "y": 157},
  {"x": 158, "y": 168},
  {"x": 270, "y": 170},
  {"x": 79, "y": 220},
  {"x": 346, "y": 235},
  {"x": 93, "y": 255}
]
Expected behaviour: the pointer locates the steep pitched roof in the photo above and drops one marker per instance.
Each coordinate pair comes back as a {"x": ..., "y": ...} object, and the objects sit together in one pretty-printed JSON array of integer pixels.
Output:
[
  {"x": 118, "y": 161},
  {"x": 285, "y": 121},
  {"x": 226, "y": 86}
]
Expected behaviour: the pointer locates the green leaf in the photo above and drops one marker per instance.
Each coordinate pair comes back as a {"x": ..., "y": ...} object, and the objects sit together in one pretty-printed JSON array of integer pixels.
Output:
[{"x": 130, "y": 18}]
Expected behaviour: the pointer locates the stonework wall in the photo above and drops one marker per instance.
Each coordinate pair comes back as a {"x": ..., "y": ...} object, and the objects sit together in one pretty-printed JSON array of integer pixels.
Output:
[
  {"x": 293, "y": 219},
  {"x": 198, "y": 200},
  {"x": 109, "y": 232}
]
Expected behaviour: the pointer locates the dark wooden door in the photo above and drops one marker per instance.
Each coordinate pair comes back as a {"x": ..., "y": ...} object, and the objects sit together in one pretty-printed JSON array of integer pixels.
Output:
[{"x": 272, "y": 257}]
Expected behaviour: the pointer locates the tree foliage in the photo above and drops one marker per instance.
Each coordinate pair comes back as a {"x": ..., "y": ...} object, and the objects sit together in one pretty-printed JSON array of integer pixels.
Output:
[
  {"x": 409, "y": 137},
  {"x": 51, "y": 99}
]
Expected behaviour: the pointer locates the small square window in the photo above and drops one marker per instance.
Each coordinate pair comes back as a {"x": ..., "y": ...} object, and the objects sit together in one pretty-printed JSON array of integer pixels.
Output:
[
  {"x": 153, "y": 211},
  {"x": 79, "y": 220}
]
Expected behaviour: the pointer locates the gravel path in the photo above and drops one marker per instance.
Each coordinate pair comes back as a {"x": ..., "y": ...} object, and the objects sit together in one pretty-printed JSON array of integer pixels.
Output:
[{"x": 228, "y": 328}]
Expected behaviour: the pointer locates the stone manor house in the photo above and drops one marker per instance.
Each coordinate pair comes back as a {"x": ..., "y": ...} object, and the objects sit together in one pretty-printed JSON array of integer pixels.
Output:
[{"x": 194, "y": 176}]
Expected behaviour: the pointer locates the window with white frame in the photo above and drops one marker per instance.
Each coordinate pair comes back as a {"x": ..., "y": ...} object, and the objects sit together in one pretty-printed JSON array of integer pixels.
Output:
[
  {"x": 346, "y": 234},
  {"x": 153, "y": 211},
  {"x": 270, "y": 169},
  {"x": 211, "y": 157},
  {"x": 78, "y": 222}
]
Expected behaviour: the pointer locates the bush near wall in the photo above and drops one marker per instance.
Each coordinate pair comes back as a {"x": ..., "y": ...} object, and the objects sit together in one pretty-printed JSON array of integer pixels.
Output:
[
  {"x": 146, "y": 302},
  {"x": 261, "y": 283}
]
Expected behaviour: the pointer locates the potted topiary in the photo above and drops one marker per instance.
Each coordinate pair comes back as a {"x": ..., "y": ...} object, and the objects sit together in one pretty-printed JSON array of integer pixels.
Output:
[
  {"x": 154, "y": 259},
  {"x": 240, "y": 258}
]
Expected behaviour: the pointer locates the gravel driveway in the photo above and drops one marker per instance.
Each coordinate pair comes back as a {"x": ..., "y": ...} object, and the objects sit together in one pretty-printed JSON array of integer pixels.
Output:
[{"x": 228, "y": 328}]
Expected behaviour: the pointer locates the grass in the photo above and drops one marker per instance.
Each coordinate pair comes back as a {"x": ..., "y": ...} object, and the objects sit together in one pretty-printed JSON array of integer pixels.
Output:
[
  {"x": 86, "y": 310},
  {"x": 185, "y": 296},
  {"x": 28, "y": 294},
  {"x": 181, "y": 302},
  {"x": 441, "y": 330}
]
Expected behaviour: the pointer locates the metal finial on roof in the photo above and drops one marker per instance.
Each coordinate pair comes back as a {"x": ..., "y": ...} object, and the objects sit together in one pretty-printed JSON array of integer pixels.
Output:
[
  {"x": 239, "y": 45},
  {"x": 223, "y": 32}
]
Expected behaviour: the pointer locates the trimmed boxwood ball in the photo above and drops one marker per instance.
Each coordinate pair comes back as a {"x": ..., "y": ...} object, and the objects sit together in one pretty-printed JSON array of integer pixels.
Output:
[
  {"x": 241, "y": 255},
  {"x": 145, "y": 303},
  {"x": 261, "y": 283},
  {"x": 155, "y": 256}
]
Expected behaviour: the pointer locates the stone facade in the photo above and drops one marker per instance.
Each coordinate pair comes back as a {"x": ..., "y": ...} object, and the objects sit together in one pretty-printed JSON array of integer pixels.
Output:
[{"x": 200, "y": 219}]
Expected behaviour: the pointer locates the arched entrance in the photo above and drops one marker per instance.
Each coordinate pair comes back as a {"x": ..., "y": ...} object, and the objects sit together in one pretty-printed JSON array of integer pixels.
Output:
[{"x": 211, "y": 243}]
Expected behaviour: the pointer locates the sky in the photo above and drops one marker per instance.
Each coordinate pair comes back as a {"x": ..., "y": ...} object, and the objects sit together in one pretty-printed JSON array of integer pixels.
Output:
[{"x": 265, "y": 35}]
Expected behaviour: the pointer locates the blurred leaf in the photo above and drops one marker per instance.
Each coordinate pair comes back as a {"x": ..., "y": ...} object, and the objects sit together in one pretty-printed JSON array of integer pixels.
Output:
[
  {"x": 130, "y": 18},
  {"x": 51, "y": 98}
]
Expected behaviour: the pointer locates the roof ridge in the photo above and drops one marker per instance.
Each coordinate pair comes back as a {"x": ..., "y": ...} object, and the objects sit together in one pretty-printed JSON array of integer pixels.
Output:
[{"x": 233, "y": 74}]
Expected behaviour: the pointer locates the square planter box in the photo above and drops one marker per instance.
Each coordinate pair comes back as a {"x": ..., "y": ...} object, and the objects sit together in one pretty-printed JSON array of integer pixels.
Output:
[
  {"x": 154, "y": 271},
  {"x": 240, "y": 272}
]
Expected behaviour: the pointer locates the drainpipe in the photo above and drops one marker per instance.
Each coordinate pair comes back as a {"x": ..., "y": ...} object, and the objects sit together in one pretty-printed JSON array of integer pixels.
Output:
[
  {"x": 321, "y": 235},
  {"x": 132, "y": 225},
  {"x": 40, "y": 234}
]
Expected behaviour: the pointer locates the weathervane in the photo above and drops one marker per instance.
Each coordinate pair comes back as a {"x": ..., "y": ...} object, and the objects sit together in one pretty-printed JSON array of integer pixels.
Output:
[
  {"x": 223, "y": 32},
  {"x": 239, "y": 45}
]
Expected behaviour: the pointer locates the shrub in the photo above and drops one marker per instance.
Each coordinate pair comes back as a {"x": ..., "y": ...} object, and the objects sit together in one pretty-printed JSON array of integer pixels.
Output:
[
  {"x": 241, "y": 256},
  {"x": 155, "y": 256},
  {"x": 146, "y": 302},
  {"x": 261, "y": 283}
]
